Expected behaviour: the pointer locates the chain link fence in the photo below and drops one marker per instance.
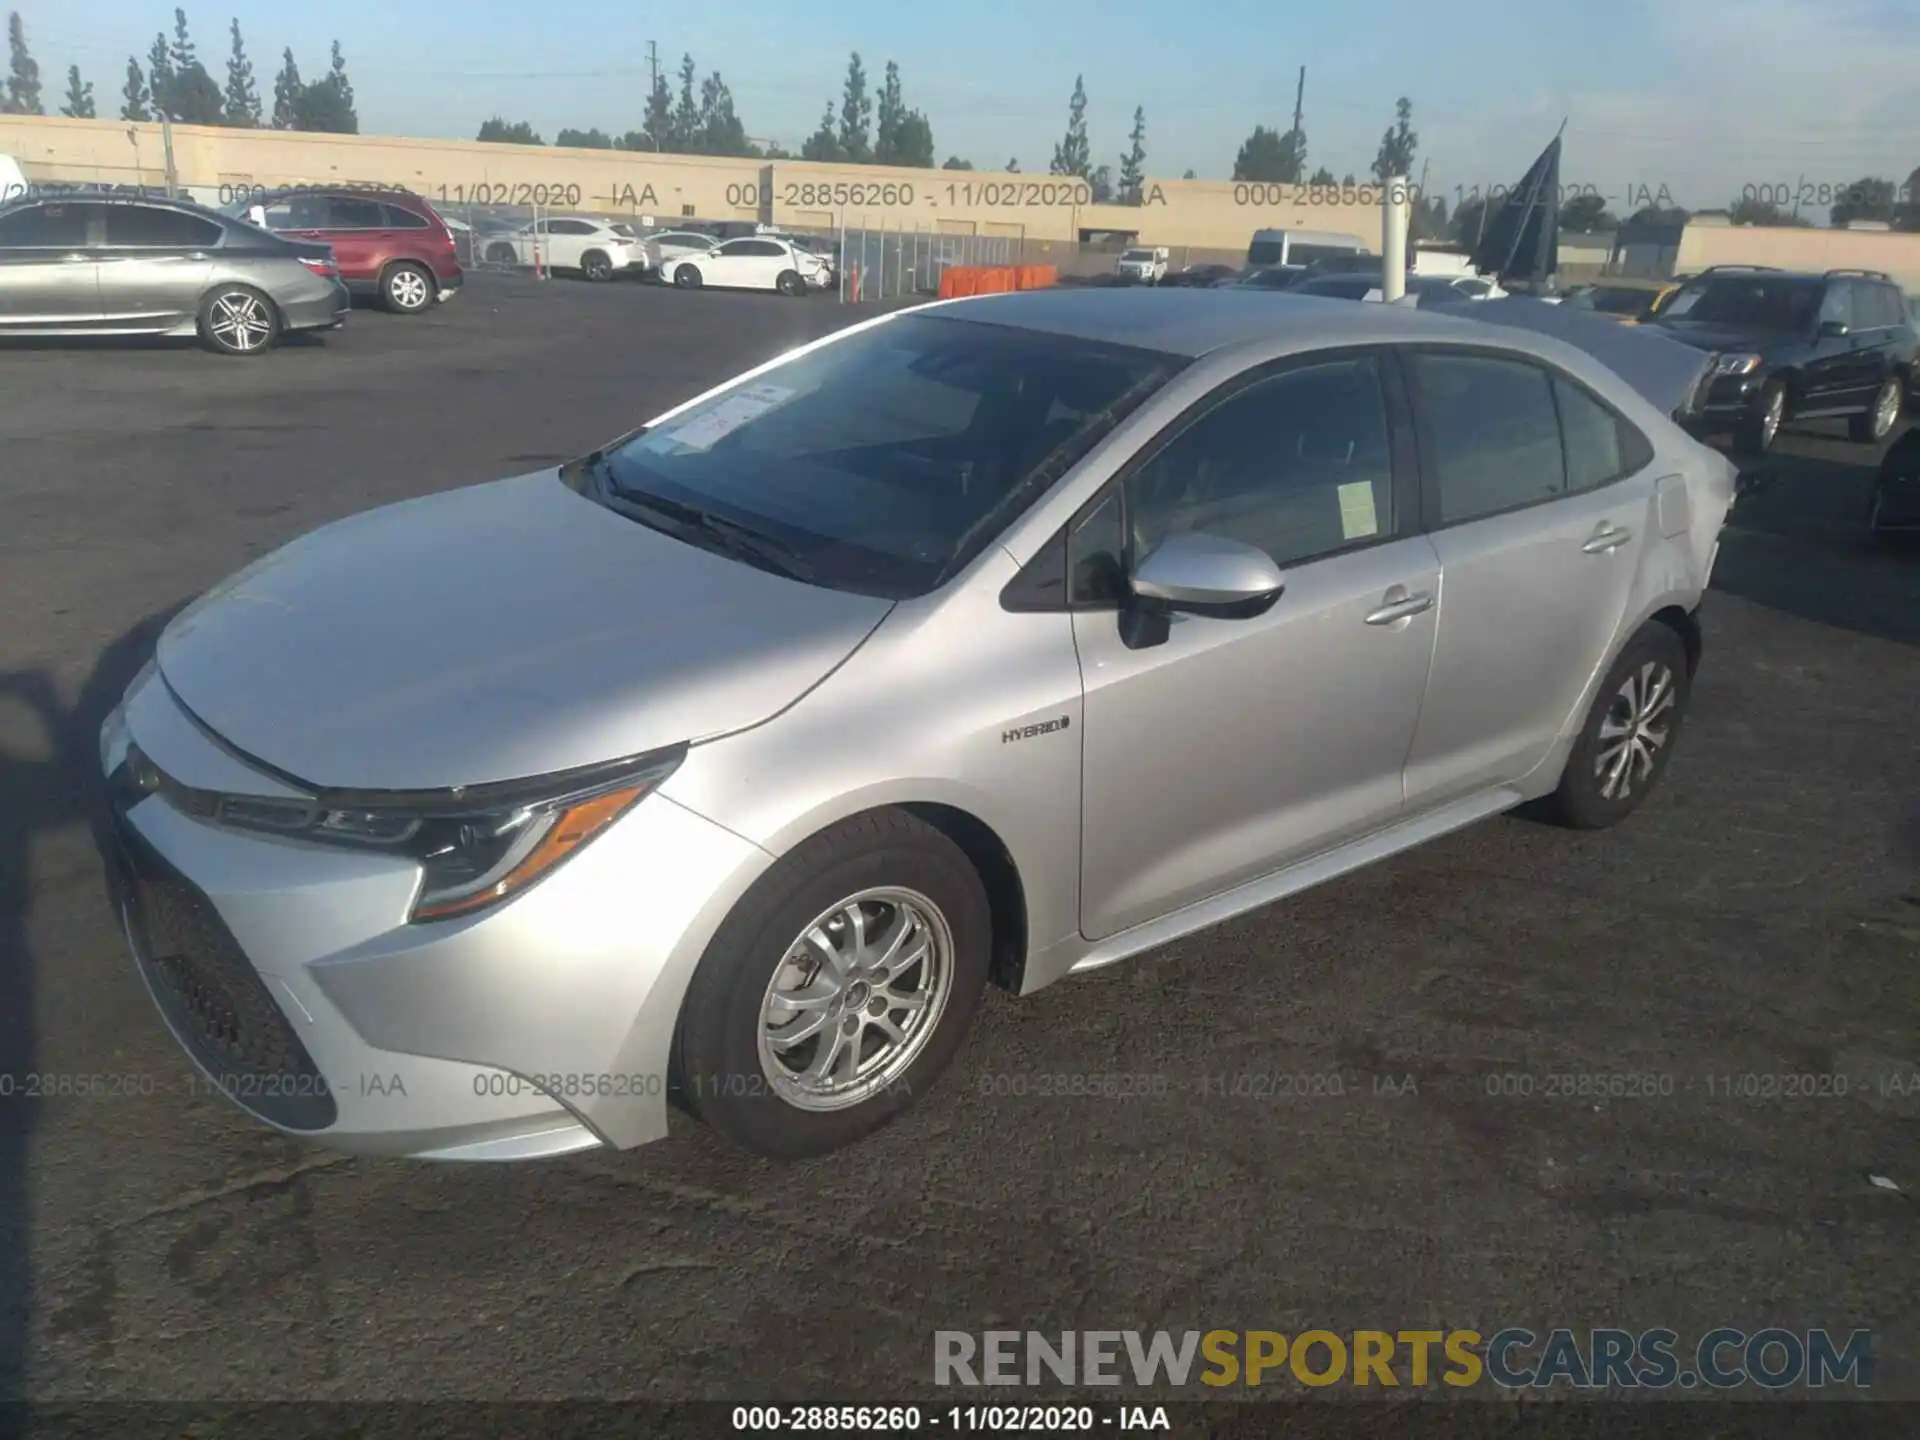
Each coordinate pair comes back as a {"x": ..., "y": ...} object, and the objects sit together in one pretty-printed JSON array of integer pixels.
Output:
[{"x": 899, "y": 264}]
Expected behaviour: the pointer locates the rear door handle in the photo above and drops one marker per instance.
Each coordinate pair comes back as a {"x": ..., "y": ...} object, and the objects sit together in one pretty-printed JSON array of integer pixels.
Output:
[
  {"x": 1400, "y": 609},
  {"x": 1607, "y": 537}
]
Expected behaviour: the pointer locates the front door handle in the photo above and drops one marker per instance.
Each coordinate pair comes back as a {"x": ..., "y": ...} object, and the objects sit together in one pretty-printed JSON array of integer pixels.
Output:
[
  {"x": 1607, "y": 537},
  {"x": 1400, "y": 608}
]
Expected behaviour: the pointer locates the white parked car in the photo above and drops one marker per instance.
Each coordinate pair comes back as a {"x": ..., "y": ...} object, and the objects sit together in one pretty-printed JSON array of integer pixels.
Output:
[
  {"x": 753, "y": 262},
  {"x": 669, "y": 245},
  {"x": 1144, "y": 265},
  {"x": 598, "y": 249}
]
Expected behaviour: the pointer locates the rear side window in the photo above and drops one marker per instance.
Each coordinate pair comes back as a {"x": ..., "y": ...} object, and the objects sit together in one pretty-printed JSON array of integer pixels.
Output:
[
  {"x": 400, "y": 218},
  {"x": 344, "y": 214},
  {"x": 1489, "y": 433},
  {"x": 46, "y": 226},
  {"x": 146, "y": 226}
]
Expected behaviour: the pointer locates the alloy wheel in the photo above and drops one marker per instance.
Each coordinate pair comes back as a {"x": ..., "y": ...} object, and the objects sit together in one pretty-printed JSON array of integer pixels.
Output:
[
  {"x": 1634, "y": 730},
  {"x": 1770, "y": 420},
  {"x": 855, "y": 999},
  {"x": 1886, "y": 409},
  {"x": 240, "y": 322},
  {"x": 408, "y": 290}
]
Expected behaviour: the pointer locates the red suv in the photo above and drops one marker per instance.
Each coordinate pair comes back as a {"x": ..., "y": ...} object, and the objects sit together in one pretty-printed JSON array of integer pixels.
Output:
[{"x": 388, "y": 243}]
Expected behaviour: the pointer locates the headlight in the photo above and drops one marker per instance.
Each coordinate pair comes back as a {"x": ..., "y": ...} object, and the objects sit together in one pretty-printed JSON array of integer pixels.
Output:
[
  {"x": 475, "y": 848},
  {"x": 1735, "y": 364}
]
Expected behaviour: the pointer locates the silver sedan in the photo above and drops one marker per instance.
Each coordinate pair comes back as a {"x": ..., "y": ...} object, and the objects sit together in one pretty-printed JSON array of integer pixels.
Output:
[
  {"x": 990, "y": 642},
  {"x": 98, "y": 264}
]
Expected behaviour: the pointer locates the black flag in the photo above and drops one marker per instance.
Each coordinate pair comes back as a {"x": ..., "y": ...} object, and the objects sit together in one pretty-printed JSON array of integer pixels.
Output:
[{"x": 1522, "y": 238}]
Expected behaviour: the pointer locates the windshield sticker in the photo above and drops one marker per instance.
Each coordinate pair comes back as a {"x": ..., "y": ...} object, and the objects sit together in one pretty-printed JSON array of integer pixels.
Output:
[
  {"x": 1358, "y": 519},
  {"x": 704, "y": 431}
]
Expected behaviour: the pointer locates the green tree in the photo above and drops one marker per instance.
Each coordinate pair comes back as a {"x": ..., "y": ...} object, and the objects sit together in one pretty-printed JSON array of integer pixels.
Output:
[
  {"x": 1398, "y": 145},
  {"x": 856, "y": 112},
  {"x": 824, "y": 144},
  {"x": 337, "y": 102},
  {"x": 1133, "y": 165},
  {"x": 160, "y": 76},
  {"x": 1349, "y": 179},
  {"x": 1074, "y": 155},
  {"x": 721, "y": 132},
  {"x": 1188, "y": 175},
  {"x": 1266, "y": 157},
  {"x": 1865, "y": 199},
  {"x": 659, "y": 121},
  {"x": 1322, "y": 176},
  {"x": 686, "y": 112},
  {"x": 1013, "y": 167},
  {"x": 1469, "y": 221},
  {"x": 1750, "y": 211},
  {"x": 23, "y": 78},
  {"x": 594, "y": 139},
  {"x": 1100, "y": 182},
  {"x": 954, "y": 162},
  {"x": 902, "y": 136},
  {"x": 133, "y": 94},
  {"x": 243, "y": 96},
  {"x": 1658, "y": 215},
  {"x": 190, "y": 95},
  {"x": 499, "y": 132},
  {"x": 79, "y": 97},
  {"x": 1587, "y": 215}
]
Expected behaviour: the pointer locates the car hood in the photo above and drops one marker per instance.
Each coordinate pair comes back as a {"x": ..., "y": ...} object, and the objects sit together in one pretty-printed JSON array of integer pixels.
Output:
[
  {"x": 1715, "y": 335},
  {"x": 494, "y": 633}
]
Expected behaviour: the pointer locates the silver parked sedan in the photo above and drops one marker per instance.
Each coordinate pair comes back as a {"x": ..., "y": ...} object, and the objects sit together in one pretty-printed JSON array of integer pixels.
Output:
[
  {"x": 992, "y": 641},
  {"x": 96, "y": 264}
]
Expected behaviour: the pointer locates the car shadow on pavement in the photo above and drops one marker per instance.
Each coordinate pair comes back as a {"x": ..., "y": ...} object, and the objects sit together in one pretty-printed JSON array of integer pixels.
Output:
[
  {"x": 46, "y": 784},
  {"x": 1797, "y": 541}
]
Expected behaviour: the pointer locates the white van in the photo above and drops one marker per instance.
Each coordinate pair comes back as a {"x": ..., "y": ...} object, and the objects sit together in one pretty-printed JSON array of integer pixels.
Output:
[
  {"x": 1300, "y": 247},
  {"x": 1147, "y": 264},
  {"x": 12, "y": 183}
]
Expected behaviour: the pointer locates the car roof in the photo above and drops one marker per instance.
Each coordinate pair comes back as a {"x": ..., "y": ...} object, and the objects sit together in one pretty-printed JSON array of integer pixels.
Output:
[
  {"x": 111, "y": 197},
  {"x": 1192, "y": 323}
]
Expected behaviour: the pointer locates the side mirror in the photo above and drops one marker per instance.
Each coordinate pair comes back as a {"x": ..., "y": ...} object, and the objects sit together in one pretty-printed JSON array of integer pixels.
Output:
[
  {"x": 1208, "y": 575},
  {"x": 1834, "y": 329}
]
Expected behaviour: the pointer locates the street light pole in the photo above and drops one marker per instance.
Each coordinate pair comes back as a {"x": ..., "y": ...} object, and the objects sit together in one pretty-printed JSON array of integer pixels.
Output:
[{"x": 166, "y": 136}]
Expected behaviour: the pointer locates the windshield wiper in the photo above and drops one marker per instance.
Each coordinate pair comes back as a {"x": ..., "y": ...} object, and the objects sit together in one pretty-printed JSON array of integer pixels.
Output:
[{"x": 729, "y": 536}]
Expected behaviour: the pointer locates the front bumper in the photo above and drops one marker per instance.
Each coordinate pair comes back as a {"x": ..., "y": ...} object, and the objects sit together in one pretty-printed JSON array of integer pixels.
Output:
[
  {"x": 1726, "y": 400},
  {"x": 292, "y": 978}
]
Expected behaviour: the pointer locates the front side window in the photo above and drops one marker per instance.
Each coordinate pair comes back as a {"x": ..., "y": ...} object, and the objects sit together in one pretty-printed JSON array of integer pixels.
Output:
[
  {"x": 885, "y": 461},
  {"x": 1297, "y": 465},
  {"x": 61, "y": 224},
  {"x": 1489, "y": 432}
]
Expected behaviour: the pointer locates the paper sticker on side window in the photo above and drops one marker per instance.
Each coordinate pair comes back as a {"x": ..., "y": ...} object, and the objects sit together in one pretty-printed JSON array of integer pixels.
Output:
[
  {"x": 1358, "y": 518},
  {"x": 705, "y": 430}
]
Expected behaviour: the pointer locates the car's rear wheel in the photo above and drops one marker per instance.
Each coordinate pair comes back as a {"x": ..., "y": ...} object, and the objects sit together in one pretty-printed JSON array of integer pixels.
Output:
[
  {"x": 838, "y": 990},
  {"x": 1881, "y": 416},
  {"x": 596, "y": 266},
  {"x": 790, "y": 283},
  {"x": 1761, "y": 426},
  {"x": 1629, "y": 734},
  {"x": 687, "y": 277},
  {"x": 407, "y": 289},
  {"x": 502, "y": 254},
  {"x": 238, "y": 320}
]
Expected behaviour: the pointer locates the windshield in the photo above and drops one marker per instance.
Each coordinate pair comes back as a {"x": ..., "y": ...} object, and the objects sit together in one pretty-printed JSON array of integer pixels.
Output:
[
  {"x": 885, "y": 461},
  {"x": 1309, "y": 254},
  {"x": 1267, "y": 252},
  {"x": 1138, "y": 256},
  {"x": 1763, "y": 302}
]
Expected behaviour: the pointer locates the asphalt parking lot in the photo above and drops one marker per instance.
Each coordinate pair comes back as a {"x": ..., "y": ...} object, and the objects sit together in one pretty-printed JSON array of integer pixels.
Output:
[{"x": 1759, "y": 917}]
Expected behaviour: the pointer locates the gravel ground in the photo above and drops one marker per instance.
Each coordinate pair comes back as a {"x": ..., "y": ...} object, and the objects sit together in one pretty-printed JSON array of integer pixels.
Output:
[{"x": 1759, "y": 917}]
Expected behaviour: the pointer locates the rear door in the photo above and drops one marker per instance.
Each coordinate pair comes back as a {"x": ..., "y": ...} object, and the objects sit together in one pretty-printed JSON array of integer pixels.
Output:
[
  {"x": 357, "y": 230},
  {"x": 1831, "y": 373},
  {"x": 1538, "y": 499},
  {"x": 49, "y": 276},
  {"x": 155, "y": 265}
]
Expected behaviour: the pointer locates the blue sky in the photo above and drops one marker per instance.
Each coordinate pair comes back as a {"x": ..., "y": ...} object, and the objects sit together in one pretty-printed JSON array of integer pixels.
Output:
[{"x": 1702, "y": 97}]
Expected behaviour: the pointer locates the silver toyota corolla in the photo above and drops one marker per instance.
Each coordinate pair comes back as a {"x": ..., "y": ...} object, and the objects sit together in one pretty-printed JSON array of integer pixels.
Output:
[{"x": 990, "y": 641}]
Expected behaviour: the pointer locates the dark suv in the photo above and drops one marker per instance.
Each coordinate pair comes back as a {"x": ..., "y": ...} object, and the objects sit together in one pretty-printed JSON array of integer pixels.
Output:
[
  {"x": 1792, "y": 346},
  {"x": 390, "y": 244}
]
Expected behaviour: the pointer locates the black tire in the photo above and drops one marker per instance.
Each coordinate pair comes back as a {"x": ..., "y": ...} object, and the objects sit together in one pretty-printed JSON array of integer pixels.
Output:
[
  {"x": 687, "y": 277},
  {"x": 718, "y": 1071},
  {"x": 1874, "y": 425},
  {"x": 238, "y": 320},
  {"x": 1755, "y": 436},
  {"x": 1582, "y": 802},
  {"x": 407, "y": 288},
  {"x": 502, "y": 254},
  {"x": 596, "y": 266},
  {"x": 790, "y": 283}
]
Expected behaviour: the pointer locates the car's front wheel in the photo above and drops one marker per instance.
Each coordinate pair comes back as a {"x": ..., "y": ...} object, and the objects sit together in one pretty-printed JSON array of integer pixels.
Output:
[
  {"x": 838, "y": 990},
  {"x": 1881, "y": 415},
  {"x": 1629, "y": 734},
  {"x": 238, "y": 320},
  {"x": 1761, "y": 427}
]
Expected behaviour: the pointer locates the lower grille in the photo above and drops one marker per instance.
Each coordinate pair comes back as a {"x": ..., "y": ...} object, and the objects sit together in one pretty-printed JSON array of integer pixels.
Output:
[{"x": 211, "y": 995}]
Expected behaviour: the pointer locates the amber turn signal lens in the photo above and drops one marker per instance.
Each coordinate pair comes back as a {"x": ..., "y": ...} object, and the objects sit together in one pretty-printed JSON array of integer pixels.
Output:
[{"x": 571, "y": 829}]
